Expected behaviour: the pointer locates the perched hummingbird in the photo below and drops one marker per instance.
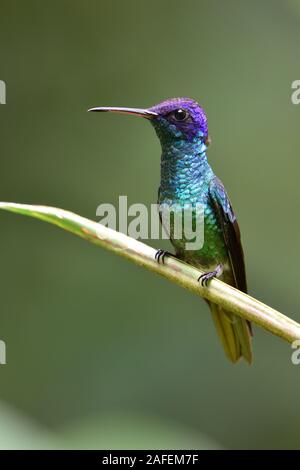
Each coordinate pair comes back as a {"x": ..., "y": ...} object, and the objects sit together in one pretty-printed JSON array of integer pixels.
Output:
[{"x": 186, "y": 177}]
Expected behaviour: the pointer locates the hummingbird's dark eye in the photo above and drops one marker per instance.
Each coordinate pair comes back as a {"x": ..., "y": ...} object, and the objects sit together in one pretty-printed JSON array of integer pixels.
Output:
[{"x": 180, "y": 114}]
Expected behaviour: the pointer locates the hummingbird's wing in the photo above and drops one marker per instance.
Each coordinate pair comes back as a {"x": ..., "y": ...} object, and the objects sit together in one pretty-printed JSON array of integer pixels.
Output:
[
  {"x": 231, "y": 231},
  {"x": 235, "y": 334}
]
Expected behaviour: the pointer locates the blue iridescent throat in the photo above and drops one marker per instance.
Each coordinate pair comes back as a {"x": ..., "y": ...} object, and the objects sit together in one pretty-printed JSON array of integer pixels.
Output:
[{"x": 184, "y": 167}]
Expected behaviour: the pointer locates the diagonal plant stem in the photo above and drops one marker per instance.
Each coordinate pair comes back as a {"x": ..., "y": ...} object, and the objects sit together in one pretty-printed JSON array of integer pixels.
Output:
[{"x": 174, "y": 270}]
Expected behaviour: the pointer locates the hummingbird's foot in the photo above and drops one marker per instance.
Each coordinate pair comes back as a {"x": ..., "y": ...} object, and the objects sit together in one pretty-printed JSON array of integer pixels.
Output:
[
  {"x": 161, "y": 254},
  {"x": 204, "y": 278}
]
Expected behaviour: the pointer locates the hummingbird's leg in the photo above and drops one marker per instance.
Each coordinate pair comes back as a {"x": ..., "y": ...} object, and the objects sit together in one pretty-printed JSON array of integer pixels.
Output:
[
  {"x": 204, "y": 278},
  {"x": 161, "y": 254}
]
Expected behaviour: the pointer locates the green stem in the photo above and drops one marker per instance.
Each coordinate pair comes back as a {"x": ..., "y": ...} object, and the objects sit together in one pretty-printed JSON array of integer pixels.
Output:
[{"x": 174, "y": 270}]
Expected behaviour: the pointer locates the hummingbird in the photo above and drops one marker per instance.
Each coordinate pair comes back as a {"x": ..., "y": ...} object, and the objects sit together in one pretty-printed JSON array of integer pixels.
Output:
[{"x": 186, "y": 177}]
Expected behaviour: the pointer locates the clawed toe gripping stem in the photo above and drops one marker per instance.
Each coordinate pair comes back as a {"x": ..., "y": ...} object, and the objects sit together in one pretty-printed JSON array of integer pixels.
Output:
[
  {"x": 206, "y": 277},
  {"x": 161, "y": 254}
]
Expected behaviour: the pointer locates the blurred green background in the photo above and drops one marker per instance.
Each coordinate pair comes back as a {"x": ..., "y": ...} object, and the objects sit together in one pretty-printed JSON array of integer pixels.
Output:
[{"x": 101, "y": 353}]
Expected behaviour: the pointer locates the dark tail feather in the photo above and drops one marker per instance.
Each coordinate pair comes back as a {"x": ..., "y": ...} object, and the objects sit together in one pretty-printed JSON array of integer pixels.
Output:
[{"x": 234, "y": 333}]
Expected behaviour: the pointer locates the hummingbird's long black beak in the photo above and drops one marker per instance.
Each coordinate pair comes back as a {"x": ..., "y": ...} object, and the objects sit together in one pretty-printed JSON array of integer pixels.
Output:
[{"x": 135, "y": 111}]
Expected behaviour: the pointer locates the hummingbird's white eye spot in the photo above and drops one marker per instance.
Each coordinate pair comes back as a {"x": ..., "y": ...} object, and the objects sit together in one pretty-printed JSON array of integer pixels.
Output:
[{"x": 180, "y": 114}]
